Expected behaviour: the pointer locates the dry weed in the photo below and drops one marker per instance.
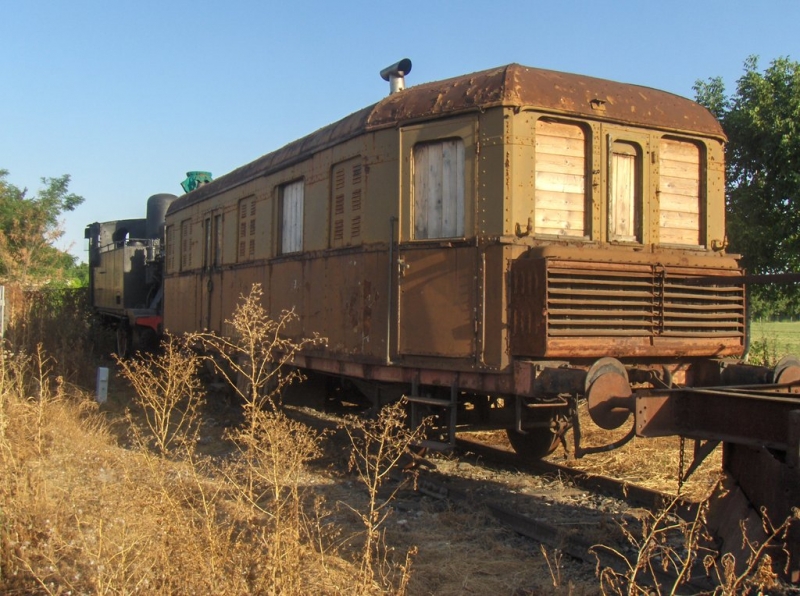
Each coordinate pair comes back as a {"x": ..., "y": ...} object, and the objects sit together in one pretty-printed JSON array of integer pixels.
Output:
[
  {"x": 253, "y": 360},
  {"x": 57, "y": 319},
  {"x": 668, "y": 550},
  {"x": 757, "y": 573},
  {"x": 380, "y": 446},
  {"x": 78, "y": 514},
  {"x": 273, "y": 449},
  {"x": 169, "y": 394}
]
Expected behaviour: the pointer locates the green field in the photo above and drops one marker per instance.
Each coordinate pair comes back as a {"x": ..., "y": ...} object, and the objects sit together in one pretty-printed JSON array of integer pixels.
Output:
[{"x": 769, "y": 341}]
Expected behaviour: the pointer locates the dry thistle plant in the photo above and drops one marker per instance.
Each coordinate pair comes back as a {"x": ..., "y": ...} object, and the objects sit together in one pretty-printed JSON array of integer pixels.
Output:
[
  {"x": 379, "y": 446},
  {"x": 757, "y": 573},
  {"x": 253, "y": 360},
  {"x": 667, "y": 548},
  {"x": 273, "y": 449},
  {"x": 169, "y": 393},
  {"x": 268, "y": 480}
]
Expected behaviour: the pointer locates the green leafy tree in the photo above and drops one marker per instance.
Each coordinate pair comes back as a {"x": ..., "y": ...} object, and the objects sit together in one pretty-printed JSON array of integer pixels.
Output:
[
  {"x": 29, "y": 225},
  {"x": 762, "y": 122}
]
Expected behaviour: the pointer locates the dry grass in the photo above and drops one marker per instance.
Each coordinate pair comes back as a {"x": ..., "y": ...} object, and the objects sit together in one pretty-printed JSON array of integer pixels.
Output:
[
  {"x": 81, "y": 514},
  {"x": 650, "y": 463}
]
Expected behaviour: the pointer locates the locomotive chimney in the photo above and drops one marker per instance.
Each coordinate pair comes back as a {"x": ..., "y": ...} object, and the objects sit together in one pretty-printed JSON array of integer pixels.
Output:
[{"x": 395, "y": 74}]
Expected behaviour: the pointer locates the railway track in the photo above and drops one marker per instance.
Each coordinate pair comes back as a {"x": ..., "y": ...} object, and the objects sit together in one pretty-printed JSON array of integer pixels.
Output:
[
  {"x": 589, "y": 517},
  {"x": 633, "y": 494},
  {"x": 570, "y": 529}
]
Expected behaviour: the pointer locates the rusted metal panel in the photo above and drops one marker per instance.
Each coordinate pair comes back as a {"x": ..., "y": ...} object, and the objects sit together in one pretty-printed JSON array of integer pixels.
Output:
[
  {"x": 180, "y": 314},
  {"x": 287, "y": 292},
  {"x": 437, "y": 301},
  {"x": 527, "y": 310}
]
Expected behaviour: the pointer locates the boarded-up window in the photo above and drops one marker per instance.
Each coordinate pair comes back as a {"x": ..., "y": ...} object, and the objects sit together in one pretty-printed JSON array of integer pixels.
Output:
[
  {"x": 624, "y": 192},
  {"x": 186, "y": 244},
  {"x": 438, "y": 173},
  {"x": 560, "y": 200},
  {"x": 247, "y": 229},
  {"x": 292, "y": 217},
  {"x": 170, "y": 249},
  {"x": 679, "y": 196},
  {"x": 347, "y": 189}
]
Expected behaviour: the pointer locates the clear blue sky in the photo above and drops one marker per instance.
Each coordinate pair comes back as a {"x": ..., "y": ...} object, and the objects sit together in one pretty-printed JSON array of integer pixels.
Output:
[{"x": 126, "y": 96}]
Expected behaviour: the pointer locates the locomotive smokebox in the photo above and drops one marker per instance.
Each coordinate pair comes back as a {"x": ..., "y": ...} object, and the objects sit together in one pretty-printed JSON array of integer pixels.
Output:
[
  {"x": 157, "y": 206},
  {"x": 395, "y": 74}
]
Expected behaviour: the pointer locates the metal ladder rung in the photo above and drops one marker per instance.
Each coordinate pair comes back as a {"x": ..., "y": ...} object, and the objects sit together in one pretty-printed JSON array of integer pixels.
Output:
[{"x": 448, "y": 405}]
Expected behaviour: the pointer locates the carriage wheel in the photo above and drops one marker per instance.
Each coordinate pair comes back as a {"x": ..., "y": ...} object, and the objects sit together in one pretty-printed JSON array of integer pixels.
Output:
[{"x": 538, "y": 441}]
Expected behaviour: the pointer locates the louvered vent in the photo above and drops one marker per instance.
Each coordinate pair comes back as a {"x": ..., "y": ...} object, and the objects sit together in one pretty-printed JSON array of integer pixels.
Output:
[
  {"x": 568, "y": 308},
  {"x": 645, "y": 300}
]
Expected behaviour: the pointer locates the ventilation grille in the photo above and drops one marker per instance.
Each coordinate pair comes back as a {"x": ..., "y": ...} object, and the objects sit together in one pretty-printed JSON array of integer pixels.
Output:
[{"x": 640, "y": 300}]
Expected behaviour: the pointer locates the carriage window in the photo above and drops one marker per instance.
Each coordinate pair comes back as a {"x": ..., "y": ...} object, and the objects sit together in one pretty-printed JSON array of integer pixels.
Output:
[
  {"x": 679, "y": 192},
  {"x": 624, "y": 192},
  {"x": 186, "y": 244},
  {"x": 560, "y": 199},
  {"x": 292, "y": 217},
  {"x": 438, "y": 187},
  {"x": 247, "y": 229}
]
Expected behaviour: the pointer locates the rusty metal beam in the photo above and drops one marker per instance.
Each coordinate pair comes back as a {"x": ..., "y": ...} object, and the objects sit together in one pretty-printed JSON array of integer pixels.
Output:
[{"x": 745, "y": 416}]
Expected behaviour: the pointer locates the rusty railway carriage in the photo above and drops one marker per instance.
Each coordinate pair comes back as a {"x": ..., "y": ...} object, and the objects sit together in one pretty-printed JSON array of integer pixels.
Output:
[
  {"x": 460, "y": 240},
  {"x": 495, "y": 246}
]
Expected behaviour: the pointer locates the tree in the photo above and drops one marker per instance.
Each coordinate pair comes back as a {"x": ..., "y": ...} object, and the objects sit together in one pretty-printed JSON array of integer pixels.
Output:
[
  {"x": 28, "y": 228},
  {"x": 762, "y": 122}
]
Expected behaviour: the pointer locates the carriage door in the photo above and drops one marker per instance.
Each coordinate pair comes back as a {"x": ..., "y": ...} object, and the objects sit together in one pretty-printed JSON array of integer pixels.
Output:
[
  {"x": 209, "y": 299},
  {"x": 437, "y": 265}
]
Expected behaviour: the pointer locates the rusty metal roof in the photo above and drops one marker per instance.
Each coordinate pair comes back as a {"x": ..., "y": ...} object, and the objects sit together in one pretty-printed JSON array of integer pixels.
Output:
[
  {"x": 511, "y": 86},
  {"x": 565, "y": 93}
]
